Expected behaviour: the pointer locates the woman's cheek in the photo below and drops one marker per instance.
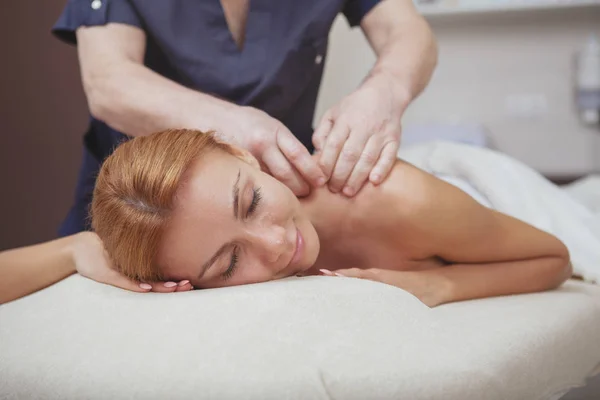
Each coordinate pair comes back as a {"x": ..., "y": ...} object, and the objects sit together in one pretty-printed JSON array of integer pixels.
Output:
[{"x": 252, "y": 274}]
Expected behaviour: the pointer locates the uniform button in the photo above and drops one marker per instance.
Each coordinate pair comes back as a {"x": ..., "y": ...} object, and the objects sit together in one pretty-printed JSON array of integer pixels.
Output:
[
  {"x": 318, "y": 59},
  {"x": 96, "y": 4}
]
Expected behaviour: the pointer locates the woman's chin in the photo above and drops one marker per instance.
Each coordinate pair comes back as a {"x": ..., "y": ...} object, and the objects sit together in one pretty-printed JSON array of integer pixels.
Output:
[{"x": 312, "y": 248}]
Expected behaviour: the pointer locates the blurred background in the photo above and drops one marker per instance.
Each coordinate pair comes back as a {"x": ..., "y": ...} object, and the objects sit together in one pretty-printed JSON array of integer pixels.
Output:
[
  {"x": 506, "y": 71},
  {"x": 507, "y": 78},
  {"x": 44, "y": 115}
]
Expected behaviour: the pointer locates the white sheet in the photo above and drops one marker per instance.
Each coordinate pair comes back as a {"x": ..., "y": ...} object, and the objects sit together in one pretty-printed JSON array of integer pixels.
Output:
[
  {"x": 587, "y": 192},
  {"x": 301, "y": 338}
]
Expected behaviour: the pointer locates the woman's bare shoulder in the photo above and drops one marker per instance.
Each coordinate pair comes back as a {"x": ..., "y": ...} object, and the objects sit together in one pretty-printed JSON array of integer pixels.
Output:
[
  {"x": 408, "y": 186},
  {"x": 399, "y": 200},
  {"x": 393, "y": 212},
  {"x": 394, "y": 203}
]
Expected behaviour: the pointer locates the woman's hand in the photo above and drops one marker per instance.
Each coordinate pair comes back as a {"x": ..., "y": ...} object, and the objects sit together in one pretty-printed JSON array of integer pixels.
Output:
[
  {"x": 431, "y": 289},
  {"x": 92, "y": 261}
]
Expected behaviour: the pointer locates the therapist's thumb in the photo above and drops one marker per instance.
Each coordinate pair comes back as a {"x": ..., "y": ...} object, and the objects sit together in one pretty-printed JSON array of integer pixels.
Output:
[{"x": 300, "y": 159}]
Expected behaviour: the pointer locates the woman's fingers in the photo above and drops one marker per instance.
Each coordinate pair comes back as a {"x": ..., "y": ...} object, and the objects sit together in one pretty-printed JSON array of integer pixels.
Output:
[
  {"x": 123, "y": 282},
  {"x": 351, "y": 273},
  {"x": 184, "y": 286},
  {"x": 164, "y": 287},
  {"x": 371, "y": 274},
  {"x": 116, "y": 279},
  {"x": 171, "y": 287}
]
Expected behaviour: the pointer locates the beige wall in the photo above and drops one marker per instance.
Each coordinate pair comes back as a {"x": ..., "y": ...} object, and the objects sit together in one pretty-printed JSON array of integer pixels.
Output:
[
  {"x": 485, "y": 60},
  {"x": 43, "y": 114}
]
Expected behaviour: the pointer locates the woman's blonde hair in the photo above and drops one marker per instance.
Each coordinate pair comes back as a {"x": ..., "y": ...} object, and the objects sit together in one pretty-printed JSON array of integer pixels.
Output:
[{"x": 134, "y": 195}]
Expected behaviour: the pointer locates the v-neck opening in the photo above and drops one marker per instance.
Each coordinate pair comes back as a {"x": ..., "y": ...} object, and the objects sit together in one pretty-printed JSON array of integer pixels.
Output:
[{"x": 226, "y": 22}]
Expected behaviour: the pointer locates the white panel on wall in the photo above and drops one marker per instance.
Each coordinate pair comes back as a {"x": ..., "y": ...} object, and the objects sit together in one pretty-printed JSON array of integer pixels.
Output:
[
  {"x": 510, "y": 72},
  {"x": 455, "y": 7}
]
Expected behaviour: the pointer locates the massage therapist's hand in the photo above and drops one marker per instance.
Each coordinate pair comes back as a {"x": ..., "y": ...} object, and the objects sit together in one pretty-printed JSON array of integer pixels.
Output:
[
  {"x": 92, "y": 262},
  {"x": 358, "y": 138},
  {"x": 279, "y": 152},
  {"x": 431, "y": 289}
]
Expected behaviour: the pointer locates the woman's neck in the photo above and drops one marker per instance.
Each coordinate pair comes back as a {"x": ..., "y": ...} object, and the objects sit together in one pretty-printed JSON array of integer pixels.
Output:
[{"x": 327, "y": 212}]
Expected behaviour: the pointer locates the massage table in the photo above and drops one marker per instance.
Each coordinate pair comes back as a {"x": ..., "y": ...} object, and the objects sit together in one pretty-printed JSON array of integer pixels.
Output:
[{"x": 299, "y": 338}]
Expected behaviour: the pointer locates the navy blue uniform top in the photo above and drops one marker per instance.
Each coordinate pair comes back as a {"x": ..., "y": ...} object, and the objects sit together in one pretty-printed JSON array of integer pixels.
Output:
[{"x": 278, "y": 70}]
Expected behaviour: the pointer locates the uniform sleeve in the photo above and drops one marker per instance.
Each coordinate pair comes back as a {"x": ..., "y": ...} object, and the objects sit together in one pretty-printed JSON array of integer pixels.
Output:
[
  {"x": 79, "y": 13},
  {"x": 355, "y": 10}
]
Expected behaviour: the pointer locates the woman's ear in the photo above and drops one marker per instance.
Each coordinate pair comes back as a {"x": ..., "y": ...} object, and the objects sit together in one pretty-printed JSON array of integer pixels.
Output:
[{"x": 245, "y": 156}]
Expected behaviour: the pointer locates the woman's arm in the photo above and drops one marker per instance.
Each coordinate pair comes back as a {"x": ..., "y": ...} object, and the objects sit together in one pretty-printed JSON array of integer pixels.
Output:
[
  {"x": 486, "y": 279},
  {"x": 491, "y": 254},
  {"x": 28, "y": 269}
]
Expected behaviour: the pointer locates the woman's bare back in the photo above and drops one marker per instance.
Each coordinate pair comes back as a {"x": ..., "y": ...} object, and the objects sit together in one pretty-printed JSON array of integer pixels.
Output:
[{"x": 372, "y": 230}]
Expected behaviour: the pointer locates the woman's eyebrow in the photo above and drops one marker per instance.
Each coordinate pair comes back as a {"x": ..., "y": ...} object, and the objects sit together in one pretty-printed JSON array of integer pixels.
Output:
[
  {"x": 212, "y": 260},
  {"x": 236, "y": 195}
]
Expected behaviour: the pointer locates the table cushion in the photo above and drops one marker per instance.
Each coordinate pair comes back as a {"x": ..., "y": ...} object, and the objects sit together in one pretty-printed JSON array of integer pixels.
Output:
[{"x": 298, "y": 338}]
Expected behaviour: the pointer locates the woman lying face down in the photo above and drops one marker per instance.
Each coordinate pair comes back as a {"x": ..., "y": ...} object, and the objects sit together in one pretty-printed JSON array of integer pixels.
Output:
[{"x": 180, "y": 205}]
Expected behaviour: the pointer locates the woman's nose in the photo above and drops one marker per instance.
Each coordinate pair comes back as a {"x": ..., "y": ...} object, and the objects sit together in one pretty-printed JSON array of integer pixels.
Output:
[{"x": 271, "y": 243}]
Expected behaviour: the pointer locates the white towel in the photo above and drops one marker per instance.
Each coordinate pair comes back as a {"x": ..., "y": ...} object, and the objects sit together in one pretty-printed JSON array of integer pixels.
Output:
[
  {"x": 516, "y": 189},
  {"x": 587, "y": 192}
]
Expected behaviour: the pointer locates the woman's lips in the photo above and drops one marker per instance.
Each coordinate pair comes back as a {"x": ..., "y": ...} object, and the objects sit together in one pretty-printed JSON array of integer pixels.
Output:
[{"x": 299, "y": 251}]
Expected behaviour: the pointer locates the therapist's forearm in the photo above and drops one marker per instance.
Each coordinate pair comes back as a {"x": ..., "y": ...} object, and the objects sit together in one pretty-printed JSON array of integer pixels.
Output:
[
  {"x": 26, "y": 270},
  {"x": 408, "y": 57},
  {"x": 135, "y": 100}
]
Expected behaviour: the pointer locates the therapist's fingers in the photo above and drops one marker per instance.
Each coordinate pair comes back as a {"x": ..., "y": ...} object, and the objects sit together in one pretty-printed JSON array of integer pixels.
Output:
[
  {"x": 297, "y": 154},
  {"x": 333, "y": 146},
  {"x": 386, "y": 162},
  {"x": 363, "y": 166},
  {"x": 347, "y": 160},
  {"x": 320, "y": 135},
  {"x": 283, "y": 171}
]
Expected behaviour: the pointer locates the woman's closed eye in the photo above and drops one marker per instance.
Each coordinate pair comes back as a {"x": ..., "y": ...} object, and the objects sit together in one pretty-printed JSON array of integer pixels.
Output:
[
  {"x": 256, "y": 197},
  {"x": 232, "y": 264}
]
